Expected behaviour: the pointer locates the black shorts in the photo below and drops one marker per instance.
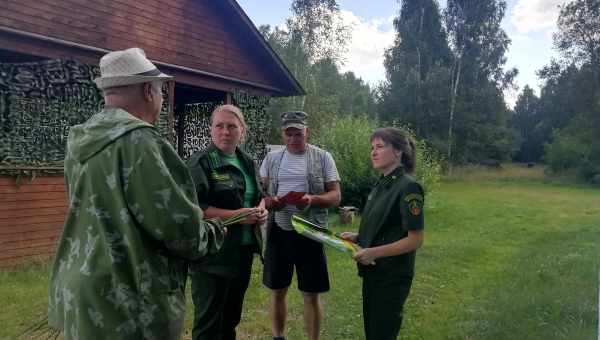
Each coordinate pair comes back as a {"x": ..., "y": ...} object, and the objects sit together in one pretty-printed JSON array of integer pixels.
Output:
[{"x": 286, "y": 250}]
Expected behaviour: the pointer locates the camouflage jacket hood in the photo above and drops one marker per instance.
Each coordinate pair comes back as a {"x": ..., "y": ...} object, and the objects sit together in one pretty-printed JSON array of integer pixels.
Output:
[{"x": 102, "y": 129}]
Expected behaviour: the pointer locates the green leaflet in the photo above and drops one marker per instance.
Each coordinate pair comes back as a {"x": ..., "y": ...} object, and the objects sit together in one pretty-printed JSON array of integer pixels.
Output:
[{"x": 323, "y": 235}]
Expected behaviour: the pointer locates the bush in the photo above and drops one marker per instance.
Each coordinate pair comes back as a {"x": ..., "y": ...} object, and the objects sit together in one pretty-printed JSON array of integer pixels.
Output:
[
  {"x": 347, "y": 138},
  {"x": 589, "y": 169},
  {"x": 567, "y": 151},
  {"x": 429, "y": 166}
]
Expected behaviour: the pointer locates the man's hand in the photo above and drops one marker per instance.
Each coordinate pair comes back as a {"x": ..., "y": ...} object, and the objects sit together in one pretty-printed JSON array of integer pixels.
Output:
[
  {"x": 304, "y": 202},
  {"x": 273, "y": 203}
]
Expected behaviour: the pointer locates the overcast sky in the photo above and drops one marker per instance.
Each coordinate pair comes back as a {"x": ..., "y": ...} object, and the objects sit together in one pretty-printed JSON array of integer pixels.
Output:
[{"x": 528, "y": 23}]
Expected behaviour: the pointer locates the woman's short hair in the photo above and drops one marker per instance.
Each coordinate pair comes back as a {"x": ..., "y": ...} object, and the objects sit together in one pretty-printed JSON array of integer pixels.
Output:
[{"x": 400, "y": 141}]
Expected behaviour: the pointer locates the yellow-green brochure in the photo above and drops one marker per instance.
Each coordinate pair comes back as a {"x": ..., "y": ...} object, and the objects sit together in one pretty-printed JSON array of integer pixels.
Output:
[{"x": 322, "y": 235}]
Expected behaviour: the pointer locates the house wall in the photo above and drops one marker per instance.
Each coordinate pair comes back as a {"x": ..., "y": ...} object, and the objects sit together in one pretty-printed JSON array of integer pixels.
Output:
[
  {"x": 32, "y": 213},
  {"x": 208, "y": 44}
]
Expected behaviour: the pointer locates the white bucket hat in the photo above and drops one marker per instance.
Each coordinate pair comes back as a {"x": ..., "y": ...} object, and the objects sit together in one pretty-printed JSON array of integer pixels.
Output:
[{"x": 127, "y": 67}]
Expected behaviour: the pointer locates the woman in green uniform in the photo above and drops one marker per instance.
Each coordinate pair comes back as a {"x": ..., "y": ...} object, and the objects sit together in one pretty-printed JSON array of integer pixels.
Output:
[
  {"x": 391, "y": 231},
  {"x": 226, "y": 184}
]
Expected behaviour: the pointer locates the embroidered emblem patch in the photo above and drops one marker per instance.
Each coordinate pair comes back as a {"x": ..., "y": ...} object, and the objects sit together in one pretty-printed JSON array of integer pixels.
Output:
[
  {"x": 415, "y": 207},
  {"x": 415, "y": 203},
  {"x": 220, "y": 177}
]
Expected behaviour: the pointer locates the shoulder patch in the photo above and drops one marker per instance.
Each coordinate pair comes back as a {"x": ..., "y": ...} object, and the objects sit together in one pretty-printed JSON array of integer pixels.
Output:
[
  {"x": 415, "y": 203},
  {"x": 415, "y": 207}
]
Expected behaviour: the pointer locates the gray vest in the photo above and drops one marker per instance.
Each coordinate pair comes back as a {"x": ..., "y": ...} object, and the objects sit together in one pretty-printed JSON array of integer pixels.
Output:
[{"x": 315, "y": 161}]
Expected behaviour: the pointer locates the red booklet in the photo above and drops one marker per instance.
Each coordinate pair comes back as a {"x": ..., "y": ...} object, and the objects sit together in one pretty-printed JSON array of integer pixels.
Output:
[{"x": 292, "y": 197}]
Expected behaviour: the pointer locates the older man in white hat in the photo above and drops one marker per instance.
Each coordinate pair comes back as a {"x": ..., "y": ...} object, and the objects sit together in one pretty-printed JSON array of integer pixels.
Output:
[{"x": 133, "y": 217}]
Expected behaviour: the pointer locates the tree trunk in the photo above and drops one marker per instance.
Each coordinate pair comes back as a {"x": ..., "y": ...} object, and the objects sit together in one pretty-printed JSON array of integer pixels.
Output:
[
  {"x": 419, "y": 101},
  {"x": 453, "y": 95}
]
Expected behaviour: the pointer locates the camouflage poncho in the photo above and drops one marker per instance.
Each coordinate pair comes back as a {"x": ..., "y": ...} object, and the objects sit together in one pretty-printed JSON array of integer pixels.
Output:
[{"x": 133, "y": 220}]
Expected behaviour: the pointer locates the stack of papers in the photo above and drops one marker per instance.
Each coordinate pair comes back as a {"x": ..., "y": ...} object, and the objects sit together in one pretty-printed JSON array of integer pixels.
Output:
[{"x": 323, "y": 235}]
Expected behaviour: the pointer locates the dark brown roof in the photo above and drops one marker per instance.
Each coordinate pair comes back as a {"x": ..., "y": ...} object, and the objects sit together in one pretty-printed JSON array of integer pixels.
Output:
[{"x": 205, "y": 43}]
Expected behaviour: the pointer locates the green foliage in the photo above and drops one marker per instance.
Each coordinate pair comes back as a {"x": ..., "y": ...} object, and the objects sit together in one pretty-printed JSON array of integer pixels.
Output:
[
  {"x": 329, "y": 91},
  {"x": 429, "y": 166},
  {"x": 589, "y": 170},
  {"x": 317, "y": 26},
  {"x": 312, "y": 46},
  {"x": 417, "y": 70},
  {"x": 526, "y": 120},
  {"x": 570, "y": 97},
  {"x": 568, "y": 90},
  {"x": 566, "y": 151},
  {"x": 477, "y": 38},
  {"x": 481, "y": 127},
  {"x": 348, "y": 140},
  {"x": 478, "y": 47},
  {"x": 574, "y": 148},
  {"x": 445, "y": 81},
  {"x": 342, "y": 94},
  {"x": 578, "y": 22}
]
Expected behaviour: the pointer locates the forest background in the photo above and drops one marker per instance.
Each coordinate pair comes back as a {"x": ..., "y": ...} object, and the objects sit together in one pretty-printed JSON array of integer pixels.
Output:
[{"x": 445, "y": 79}]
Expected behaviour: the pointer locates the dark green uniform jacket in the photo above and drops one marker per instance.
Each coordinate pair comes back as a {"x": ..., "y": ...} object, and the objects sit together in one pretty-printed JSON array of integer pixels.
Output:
[
  {"x": 222, "y": 185},
  {"x": 133, "y": 218},
  {"x": 394, "y": 206}
]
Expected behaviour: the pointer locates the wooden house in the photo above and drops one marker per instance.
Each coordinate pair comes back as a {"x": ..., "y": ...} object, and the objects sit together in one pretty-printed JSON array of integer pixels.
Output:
[{"x": 49, "y": 50}]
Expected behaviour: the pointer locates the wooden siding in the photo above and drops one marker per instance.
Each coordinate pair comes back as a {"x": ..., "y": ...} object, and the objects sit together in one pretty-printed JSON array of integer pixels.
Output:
[
  {"x": 31, "y": 218},
  {"x": 202, "y": 35}
]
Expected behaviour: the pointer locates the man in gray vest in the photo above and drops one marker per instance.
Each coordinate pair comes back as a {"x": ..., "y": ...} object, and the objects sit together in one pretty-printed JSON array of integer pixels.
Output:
[{"x": 298, "y": 178}]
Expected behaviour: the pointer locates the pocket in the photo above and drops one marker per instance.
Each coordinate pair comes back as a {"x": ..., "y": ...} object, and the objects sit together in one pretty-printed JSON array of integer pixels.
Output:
[
  {"x": 317, "y": 183},
  {"x": 317, "y": 179}
]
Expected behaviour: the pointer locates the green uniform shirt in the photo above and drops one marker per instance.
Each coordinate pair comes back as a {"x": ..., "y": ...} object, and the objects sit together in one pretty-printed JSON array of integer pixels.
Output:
[
  {"x": 249, "y": 192},
  {"x": 223, "y": 185},
  {"x": 394, "y": 206},
  {"x": 133, "y": 218}
]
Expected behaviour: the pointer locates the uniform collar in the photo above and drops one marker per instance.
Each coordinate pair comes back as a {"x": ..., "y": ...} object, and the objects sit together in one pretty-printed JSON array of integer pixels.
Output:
[
  {"x": 398, "y": 172},
  {"x": 215, "y": 156}
]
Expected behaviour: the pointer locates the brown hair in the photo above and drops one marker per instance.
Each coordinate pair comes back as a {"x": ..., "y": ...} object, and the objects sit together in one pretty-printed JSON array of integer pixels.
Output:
[{"x": 400, "y": 141}]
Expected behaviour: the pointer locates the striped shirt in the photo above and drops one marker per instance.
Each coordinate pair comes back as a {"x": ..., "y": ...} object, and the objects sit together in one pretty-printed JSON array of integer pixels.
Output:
[{"x": 293, "y": 176}]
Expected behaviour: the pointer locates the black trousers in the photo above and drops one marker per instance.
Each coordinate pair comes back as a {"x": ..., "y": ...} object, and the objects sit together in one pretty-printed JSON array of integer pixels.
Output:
[
  {"x": 383, "y": 302},
  {"x": 218, "y": 300}
]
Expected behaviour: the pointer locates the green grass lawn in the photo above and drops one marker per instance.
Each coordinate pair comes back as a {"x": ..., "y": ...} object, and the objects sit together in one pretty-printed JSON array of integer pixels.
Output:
[{"x": 510, "y": 256}]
